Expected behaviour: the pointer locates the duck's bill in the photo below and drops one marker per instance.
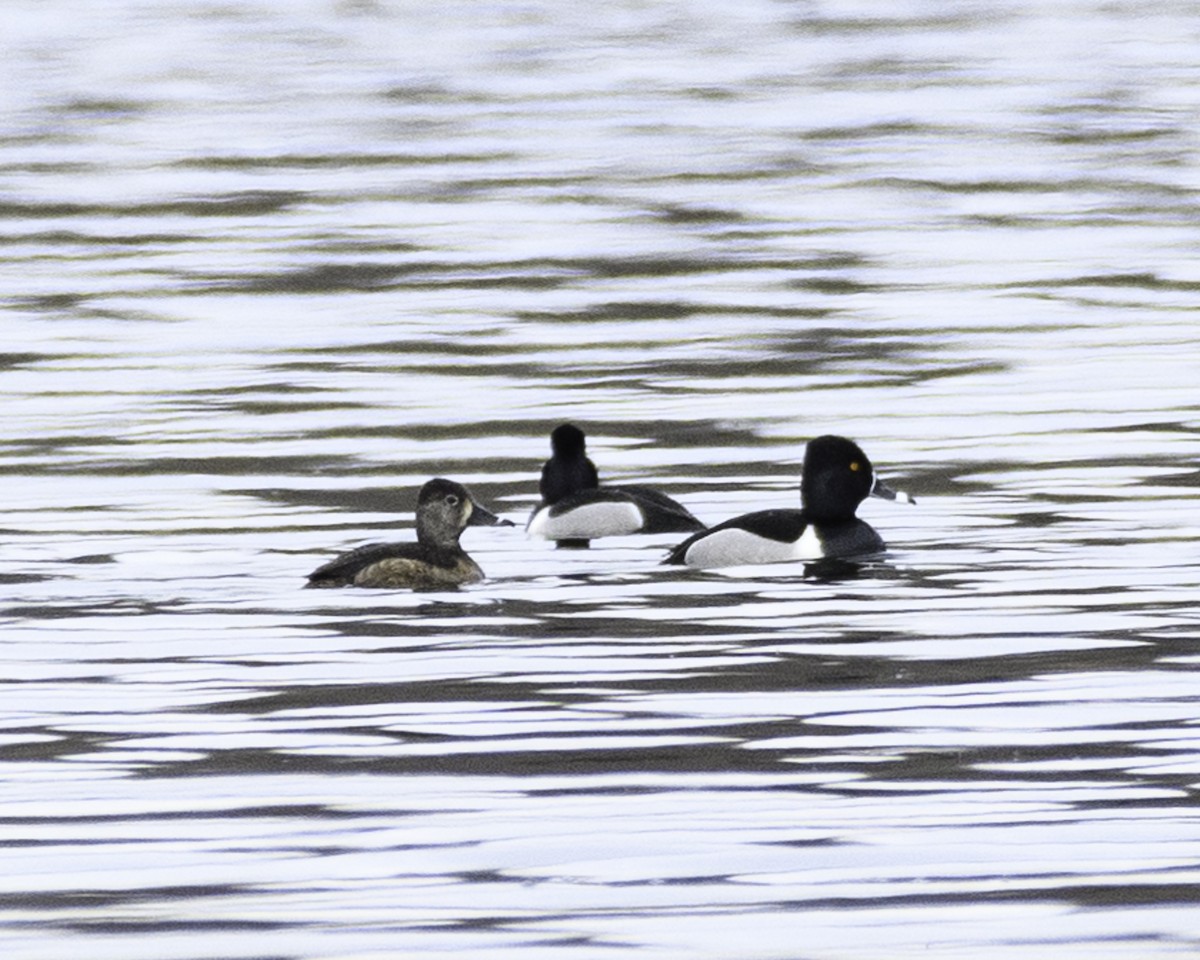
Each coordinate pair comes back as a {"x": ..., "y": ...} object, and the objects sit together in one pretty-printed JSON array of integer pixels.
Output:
[
  {"x": 483, "y": 517},
  {"x": 883, "y": 491}
]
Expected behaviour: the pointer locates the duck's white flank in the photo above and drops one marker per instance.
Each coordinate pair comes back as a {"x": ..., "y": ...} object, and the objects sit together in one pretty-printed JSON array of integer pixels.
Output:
[
  {"x": 734, "y": 546},
  {"x": 607, "y": 518}
]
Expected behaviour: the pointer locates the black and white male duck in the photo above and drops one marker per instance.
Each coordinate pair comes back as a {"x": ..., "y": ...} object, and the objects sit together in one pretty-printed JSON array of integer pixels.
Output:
[
  {"x": 435, "y": 561},
  {"x": 835, "y": 479},
  {"x": 575, "y": 508}
]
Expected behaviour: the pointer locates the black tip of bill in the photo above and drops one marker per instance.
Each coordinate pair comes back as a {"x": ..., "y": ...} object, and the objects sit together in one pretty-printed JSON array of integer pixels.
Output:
[
  {"x": 883, "y": 491},
  {"x": 482, "y": 517}
]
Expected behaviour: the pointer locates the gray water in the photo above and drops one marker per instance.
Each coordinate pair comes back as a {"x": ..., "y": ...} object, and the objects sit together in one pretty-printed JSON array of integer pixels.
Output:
[{"x": 266, "y": 267}]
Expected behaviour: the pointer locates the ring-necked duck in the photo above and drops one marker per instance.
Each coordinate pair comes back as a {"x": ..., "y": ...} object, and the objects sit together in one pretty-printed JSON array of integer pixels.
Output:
[
  {"x": 575, "y": 508},
  {"x": 444, "y": 509},
  {"x": 836, "y": 478}
]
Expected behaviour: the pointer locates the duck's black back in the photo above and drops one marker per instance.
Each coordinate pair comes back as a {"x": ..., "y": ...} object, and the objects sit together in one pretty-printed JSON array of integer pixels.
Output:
[{"x": 661, "y": 513}]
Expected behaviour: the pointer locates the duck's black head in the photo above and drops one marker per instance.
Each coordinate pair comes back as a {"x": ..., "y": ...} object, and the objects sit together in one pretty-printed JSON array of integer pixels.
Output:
[
  {"x": 567, "y": 440},
  {"x": 837, "y": 477},
  {"x": 569, "y": 470}
]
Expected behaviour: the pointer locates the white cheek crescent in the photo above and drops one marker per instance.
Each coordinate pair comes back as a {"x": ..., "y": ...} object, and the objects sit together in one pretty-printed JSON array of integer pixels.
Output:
[
  {"x": 609, "y": 518},
  {"x": 733, "y": 546}
]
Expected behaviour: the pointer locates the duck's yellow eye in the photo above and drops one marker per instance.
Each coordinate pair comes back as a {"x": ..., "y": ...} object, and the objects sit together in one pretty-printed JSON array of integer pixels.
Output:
[{"x": 855, "y": 466}]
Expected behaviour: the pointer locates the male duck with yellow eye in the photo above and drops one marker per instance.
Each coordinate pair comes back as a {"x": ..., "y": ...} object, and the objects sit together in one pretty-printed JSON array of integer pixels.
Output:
[
  {"x": 434, "y": 562},
  {"x": 835, "y": 479},
  {"x": 575, "y": 508}
]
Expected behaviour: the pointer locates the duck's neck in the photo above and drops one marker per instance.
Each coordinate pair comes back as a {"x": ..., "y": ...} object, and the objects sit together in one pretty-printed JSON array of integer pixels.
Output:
[
  {"x": 436, "y": 536},
  {"x": 562, "y": 477}
]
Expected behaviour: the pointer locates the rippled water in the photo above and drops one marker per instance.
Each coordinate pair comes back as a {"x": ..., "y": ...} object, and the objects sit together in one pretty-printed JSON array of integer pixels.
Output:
[{"x": 267, "y": 267}]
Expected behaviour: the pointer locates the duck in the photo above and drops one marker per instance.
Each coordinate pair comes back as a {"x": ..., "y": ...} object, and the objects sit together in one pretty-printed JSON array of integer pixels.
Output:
[
  {"x": 835, "y": 478},
  {"x": 575, "y": 507},
  {"x": 435, "y": 561}
]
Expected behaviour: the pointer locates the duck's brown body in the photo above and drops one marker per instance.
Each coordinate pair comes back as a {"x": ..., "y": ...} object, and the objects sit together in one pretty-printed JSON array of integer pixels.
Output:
[{"x": 398, "y": 565}]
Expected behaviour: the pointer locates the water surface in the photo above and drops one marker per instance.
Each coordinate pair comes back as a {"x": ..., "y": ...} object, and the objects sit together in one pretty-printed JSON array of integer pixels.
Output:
[{"x": 268, "y": 267}]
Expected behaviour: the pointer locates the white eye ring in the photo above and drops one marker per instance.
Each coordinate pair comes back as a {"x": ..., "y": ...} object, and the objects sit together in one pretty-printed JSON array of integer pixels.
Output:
[{"x": 452, "y": 499}]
